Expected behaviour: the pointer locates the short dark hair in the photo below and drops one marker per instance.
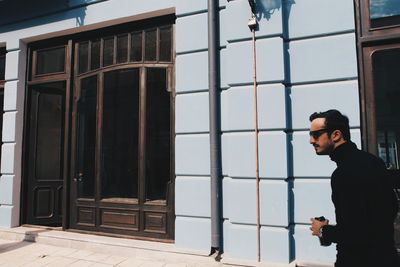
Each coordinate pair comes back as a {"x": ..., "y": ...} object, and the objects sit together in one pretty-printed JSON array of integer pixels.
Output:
[{"x": 334, "y": 120}]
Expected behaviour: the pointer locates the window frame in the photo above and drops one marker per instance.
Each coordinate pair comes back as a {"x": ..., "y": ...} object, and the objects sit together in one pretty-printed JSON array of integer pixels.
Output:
[
  {"x": 53, "y": 75},
  {"x": 366, "y": 40},
  {"x": 365, "y": 30}
]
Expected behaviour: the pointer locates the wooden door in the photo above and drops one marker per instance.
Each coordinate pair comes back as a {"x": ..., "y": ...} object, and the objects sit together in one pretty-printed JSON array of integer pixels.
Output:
[
  {"x": 121, "y": 160},
  {"x": 45, "y": 155}
]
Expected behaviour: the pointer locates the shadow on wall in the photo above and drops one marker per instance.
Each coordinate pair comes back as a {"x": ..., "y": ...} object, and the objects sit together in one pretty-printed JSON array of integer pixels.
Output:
[
  {"x": 14, "y": 15},
  {"x": 266, "y": 8}
]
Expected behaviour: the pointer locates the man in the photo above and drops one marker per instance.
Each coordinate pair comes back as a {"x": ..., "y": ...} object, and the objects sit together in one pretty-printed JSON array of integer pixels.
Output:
[{"x": 365, "y": 203}]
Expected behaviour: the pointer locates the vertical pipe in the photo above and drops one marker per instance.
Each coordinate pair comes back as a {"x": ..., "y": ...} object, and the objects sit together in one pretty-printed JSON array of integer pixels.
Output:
[
  {"x": 255, "y": 111},
  {"x": 253, "y": 26},
  {"x": 215, "y": 143}
]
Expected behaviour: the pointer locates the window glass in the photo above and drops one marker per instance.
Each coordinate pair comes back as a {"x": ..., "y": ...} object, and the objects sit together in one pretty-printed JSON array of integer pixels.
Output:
[
  {"x": 122, "y": 48},
  {"x": 49, "y": 124},
  {"x": 387, "y": 96},
  {"x": 165, "y": 44},
  {"x": 86, "y": 137},
  {"x": 108, "y": 52},
  {"x": 136, "y": 46},
  {"x": 95, "y": 55},
  {"x": 151, "y": 45},
  {"x": 119, "y": 154},
  {"x": 83, "y": 57},
  {"x": 157, "y": 134},
  {"x": 50, "y": 60},
  {"x": 384, "y": 8}
]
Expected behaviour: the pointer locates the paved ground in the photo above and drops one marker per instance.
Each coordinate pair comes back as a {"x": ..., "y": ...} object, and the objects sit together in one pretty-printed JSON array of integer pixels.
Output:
[{"x": 13, "y": 253}]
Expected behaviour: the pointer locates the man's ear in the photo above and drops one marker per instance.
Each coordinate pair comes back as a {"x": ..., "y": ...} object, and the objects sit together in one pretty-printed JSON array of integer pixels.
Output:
[{"x": 337, "y": 136}]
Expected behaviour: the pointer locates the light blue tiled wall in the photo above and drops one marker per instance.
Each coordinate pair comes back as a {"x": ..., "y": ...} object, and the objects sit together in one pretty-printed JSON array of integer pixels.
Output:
[
  {"x": 323, "y": 58},
  {"x": 319, "y": 17},
  {"x": 237, "y": 111},
  {"x": 323, "y": 96},
  {"x": 269, "y": 61},
  {"x": 192, "y": 153},
  {"x": 191, "y": 72},
  {"x": 186, "y": 41},
  {"x": 306, "y": 62},
  {"x": 192, "y": 233}
]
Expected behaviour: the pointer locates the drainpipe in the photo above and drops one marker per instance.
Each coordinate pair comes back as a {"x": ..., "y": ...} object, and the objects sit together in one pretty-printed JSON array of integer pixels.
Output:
[{"x": 215, "y": 142}]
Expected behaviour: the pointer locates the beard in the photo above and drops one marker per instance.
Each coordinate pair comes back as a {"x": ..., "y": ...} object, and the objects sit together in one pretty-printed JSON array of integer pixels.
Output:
[{"x": 324, "y": 151}]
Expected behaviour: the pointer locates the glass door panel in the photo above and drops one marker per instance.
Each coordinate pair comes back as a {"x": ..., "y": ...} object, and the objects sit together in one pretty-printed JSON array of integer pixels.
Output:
[
  {"x": 45, "y": 156},
  {"x": 49, "y": 140},
  {"x": 158, "y": 134},
  {"x": 86, "y": 137},
  {"x": 386, "y": 69},
  {"x": 119, "y": 153}
]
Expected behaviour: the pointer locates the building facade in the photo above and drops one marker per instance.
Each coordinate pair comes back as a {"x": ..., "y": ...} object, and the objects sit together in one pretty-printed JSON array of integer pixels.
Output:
[{"x": 106, "y": 123}]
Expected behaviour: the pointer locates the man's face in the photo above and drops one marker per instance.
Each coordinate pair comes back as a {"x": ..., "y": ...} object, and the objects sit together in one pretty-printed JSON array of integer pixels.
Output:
[{"x": 319, "y": 138}]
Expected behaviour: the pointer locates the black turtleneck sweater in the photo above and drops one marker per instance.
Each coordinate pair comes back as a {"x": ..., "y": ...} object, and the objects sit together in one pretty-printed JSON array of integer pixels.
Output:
[{"x": 365, "y": 208}]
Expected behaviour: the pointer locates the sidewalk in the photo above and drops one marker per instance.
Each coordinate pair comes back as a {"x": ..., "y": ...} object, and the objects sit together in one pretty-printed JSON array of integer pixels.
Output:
[
  {"x": 32, "y": 254},
  {"x": 31, "y": 246}
]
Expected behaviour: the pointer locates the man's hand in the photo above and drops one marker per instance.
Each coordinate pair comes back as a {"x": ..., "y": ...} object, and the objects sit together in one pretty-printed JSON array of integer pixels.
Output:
[{"x": 316, "y": 225}]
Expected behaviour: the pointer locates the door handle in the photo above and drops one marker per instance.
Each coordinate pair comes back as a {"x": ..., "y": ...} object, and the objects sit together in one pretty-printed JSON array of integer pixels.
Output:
[{"x": 80, "y": 177}]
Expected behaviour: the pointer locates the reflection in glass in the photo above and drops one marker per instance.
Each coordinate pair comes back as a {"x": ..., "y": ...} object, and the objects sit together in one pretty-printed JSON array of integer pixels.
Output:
[
  {"x": 50, "y": 60},
  {"x": 108, "y": 51},
  {"x": 95, "y": 55},
  {"x": 151, "y": 45},
  {"x": 387, "y": 149},
  {"x": 119, "y": 155},
  {"x": 86, "y": 138},
  {"x": 122, "y": 48},
  {"x": 386, "y": 69},
  {"x": 383, "y": 8},
  {"x": 83, "y": 57},
  {"x": 387, "y": 95},
  {"x": 136, "y": 46},
  {"x": 49, "y": 127},
  {"x": 157, "y": 134},
  {"x": 165, "y": 44}
]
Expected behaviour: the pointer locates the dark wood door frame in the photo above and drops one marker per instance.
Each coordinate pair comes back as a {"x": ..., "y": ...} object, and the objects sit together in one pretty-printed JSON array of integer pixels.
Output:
[
  {"x": 41, "y": 80},
  {"x": 92, "y": 206},
  {"x": 71, "y": 76},
  {"x": 369, "y": 88}
]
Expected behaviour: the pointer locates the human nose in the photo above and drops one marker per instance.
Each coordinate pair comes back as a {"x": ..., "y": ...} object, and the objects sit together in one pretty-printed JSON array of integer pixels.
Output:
[{"x": 312, "y": 140}]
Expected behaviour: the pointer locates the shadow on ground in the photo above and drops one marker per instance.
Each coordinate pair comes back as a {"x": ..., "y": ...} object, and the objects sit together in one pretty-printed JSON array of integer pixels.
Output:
[{"x": 29, "y": 238}]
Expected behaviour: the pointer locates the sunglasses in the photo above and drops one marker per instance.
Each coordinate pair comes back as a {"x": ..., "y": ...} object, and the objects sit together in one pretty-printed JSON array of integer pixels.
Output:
[{"x": 317, "y": 133}]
